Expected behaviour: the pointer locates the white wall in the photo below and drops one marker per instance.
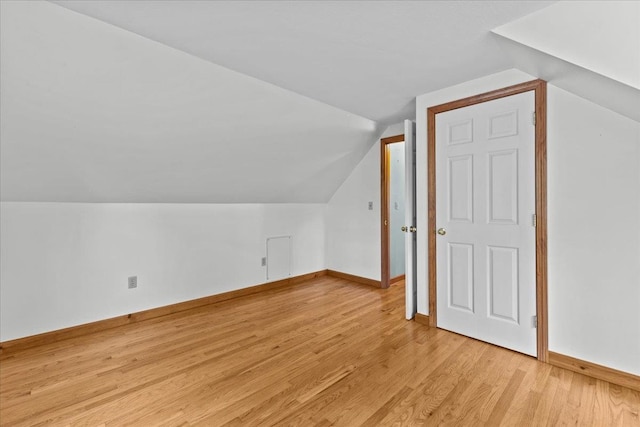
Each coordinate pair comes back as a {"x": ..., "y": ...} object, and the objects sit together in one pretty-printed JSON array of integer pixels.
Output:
[
  {"x": 594, "y": 232},
  {"x": 353, "y": 231},
  {"x": 64, "y": 264},
  {"x": 594, "y": 223}
]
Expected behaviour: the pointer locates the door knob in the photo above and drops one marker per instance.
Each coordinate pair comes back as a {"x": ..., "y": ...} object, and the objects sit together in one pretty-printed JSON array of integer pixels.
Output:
[
  {"x": 412, "y": 229},
  {"x": 404, "y": 228},
  {"x": 442, "y": 231}
]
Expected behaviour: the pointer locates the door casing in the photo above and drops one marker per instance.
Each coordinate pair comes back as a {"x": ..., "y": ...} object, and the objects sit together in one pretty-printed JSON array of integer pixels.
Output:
[
  {"x": 385, "y": 221},
  {"x": 540, "y": 89}
]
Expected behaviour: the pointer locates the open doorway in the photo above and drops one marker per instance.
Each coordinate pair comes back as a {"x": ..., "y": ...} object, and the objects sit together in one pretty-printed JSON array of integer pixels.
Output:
[{"x": 392, "y": 160}]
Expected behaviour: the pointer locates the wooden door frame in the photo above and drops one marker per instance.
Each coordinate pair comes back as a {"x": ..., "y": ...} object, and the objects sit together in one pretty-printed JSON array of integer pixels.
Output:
[
  {"x": 540, "y": 89},
  {"x": 385, "y": 168}
]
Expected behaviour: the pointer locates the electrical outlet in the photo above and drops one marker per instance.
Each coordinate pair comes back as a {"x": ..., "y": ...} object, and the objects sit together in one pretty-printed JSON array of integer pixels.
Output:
[
  {"x": 264, "y": 261},
  {"x": 370, "y": 206},
  {"x": 133, "y": 282}
]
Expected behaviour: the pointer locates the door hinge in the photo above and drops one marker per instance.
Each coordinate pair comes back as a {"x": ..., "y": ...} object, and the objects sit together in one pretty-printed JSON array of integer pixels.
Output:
[
  {"x": 533, "y": 118},
  {"x": 534, "y": 220},
  {"x": 534, "y": 322}
]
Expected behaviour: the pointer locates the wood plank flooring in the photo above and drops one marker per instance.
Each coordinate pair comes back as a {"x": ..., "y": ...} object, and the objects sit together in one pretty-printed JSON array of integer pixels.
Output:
[{"x": 326, "y": 352}]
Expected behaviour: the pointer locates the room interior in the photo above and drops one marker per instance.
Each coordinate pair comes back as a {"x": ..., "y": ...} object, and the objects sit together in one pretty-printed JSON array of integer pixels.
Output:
[{"x": 175, "y": 142}]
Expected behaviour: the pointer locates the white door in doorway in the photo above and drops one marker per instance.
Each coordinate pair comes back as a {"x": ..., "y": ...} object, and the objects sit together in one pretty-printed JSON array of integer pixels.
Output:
[
  {"x": 410, "y": 277},
  {"x": 485, "y": 206}
]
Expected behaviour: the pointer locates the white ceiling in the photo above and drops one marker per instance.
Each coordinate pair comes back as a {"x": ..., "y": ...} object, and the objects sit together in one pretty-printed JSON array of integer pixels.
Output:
[
  {"x": 92, "y": 113},
  {"x": 371, "y": 58},
  {"x": 594, "y": 54},
  {"x": 220, "y": 102}
]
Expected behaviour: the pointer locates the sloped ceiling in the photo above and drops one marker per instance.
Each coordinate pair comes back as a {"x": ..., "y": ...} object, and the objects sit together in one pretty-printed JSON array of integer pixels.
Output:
[
  {"x": 590, "y": 48},
  {"x": 92, "y": 113},
  {"x": 371, "y": 58},
  {"x": 224, "y": 102}
]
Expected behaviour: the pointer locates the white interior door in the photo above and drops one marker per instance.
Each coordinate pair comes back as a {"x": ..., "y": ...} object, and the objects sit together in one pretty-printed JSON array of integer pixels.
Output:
[
  {"x": 411, "y": 287},
  {"x": 485, "y": 206}
]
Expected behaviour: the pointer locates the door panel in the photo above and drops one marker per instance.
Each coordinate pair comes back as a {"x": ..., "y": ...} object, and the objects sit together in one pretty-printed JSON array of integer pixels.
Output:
[
  {"x": 503, "y": 283},
  {"x": 503, "y": 187},
  {"x": 485, "y": 201},
  {"x": 460, "y": 133},
  {"x": 461, "y": 276},
  {"x": 460, "y": 188},
  {"x": 411, "y": 287},
  {"x": 278, "y": 257}
]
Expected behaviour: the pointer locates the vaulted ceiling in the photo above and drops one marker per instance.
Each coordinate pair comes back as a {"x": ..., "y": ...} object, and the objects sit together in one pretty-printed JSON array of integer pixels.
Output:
[
  {"x": 225, "y": 102},
  {"x": 589, "y": 48},
  {"x": 371, "y": 58}
]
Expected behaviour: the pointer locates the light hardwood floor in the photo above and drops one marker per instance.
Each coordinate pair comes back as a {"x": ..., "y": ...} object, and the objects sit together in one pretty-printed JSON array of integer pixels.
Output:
[{"x": 326, "y": 352}]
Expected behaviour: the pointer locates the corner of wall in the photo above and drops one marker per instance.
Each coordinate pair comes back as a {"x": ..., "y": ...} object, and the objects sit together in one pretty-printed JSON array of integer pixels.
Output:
[{"x": 352, "y": 229}]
